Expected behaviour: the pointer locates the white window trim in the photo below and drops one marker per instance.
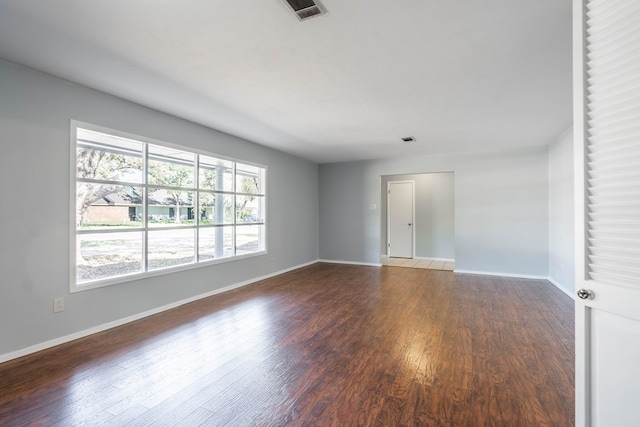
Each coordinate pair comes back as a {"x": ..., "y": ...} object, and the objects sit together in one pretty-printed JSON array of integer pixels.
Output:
[{"x": 74, "y": 286}]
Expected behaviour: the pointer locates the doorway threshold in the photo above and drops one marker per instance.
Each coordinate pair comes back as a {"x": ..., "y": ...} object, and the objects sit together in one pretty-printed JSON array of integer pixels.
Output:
[{"x": 425, "y": 263}]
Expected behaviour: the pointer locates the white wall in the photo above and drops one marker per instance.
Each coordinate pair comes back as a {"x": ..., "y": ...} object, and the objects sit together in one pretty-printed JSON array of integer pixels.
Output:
[
  {"x": 35, "y": 110},
  {"x": 561, "y": 212},
  {"x": 501, "y": 209},
  {"x": 434, "y": 214}
]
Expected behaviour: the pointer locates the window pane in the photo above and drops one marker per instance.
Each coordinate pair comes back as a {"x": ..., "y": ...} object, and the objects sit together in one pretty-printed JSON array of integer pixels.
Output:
[
  {"x": 168, "y": 248},
  {"x": 106, "y": 206},
  {"x": 249, "y": 209},
  {"x": 249, "y": 179},
  {"x": 249, "y": 238},
  {"x": 215, "y": 242},
  {"x": 170, "y": 207},
  {"x": 130, "y": 202},
  {"x": 107, "y": 157},
  {"x": 216, "y": 208},
  {"x": 170, "y": 167},
  {"x": 100, "y": 256},
  {"x": 216, "y": 174}
]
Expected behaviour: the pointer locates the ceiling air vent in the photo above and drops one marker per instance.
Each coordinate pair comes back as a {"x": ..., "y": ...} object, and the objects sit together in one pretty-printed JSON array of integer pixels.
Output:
[{"x": 305, "y": 9}]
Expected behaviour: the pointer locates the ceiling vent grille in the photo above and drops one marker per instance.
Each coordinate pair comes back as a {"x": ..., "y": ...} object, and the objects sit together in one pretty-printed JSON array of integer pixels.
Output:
[{"x": 306, "y": 9}]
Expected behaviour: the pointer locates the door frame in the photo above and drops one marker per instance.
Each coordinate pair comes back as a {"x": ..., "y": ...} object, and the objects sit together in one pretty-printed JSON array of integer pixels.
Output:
[
  {"x": 582, "y": 380},
  {"x": 413, "y": 215}
]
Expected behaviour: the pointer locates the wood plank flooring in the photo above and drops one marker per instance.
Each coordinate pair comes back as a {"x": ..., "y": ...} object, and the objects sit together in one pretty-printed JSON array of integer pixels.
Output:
[{"x": 324, "y": 345}]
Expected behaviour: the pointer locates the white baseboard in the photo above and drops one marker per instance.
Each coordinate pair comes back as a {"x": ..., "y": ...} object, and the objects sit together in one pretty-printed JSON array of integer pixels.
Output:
[
  {"x": 490, "y": 273},
  {"x": 333, "y": 261},
  {"x": 100, "y": 328},
  {"x": 557, "y": 285}
]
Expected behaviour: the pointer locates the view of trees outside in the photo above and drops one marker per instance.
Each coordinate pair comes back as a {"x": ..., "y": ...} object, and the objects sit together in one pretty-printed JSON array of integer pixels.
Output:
[
  {"x": 172, "y": 171},
  {"x": 222, "y": 217},
  {"x": 99, "y": 164}
]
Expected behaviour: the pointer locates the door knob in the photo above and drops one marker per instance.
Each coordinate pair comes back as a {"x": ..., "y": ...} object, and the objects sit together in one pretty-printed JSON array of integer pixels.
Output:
[{"x": 584, "y": 294}]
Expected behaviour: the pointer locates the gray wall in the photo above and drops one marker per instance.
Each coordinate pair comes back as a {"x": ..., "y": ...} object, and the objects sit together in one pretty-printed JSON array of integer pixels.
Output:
[
  {"x": 501, "y": 209},
  {"x": 561, "y": 212},
  {"x": 35, "y": 110},
  {"x": 434, "y": 214}
]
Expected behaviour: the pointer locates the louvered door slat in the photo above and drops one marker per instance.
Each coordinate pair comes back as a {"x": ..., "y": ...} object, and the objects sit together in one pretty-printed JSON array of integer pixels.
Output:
[{"x": 613, "y": 142}]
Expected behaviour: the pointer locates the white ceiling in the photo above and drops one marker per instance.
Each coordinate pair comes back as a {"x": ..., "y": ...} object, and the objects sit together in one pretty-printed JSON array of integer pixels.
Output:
[{"x": 459, "y": 75}]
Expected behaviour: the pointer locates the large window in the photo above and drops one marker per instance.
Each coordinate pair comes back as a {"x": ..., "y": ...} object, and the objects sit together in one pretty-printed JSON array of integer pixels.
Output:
[{"x": 142, "y": 207}]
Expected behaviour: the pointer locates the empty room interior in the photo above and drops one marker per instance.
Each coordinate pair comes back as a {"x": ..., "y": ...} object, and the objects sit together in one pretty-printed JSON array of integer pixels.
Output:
[{"x": 298, "y": 212}]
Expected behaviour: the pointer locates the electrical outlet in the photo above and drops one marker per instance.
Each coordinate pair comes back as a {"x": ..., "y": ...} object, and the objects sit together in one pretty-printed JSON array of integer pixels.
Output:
[{"x": 58, "y": 305}]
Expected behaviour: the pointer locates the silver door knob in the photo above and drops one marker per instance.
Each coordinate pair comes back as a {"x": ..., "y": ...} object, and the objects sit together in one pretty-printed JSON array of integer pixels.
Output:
[{"x": 584, "y": 294}]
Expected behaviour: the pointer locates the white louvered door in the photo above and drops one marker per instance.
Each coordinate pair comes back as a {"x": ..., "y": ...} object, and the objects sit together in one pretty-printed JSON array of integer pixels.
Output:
[{"x": 607, "y": 146}]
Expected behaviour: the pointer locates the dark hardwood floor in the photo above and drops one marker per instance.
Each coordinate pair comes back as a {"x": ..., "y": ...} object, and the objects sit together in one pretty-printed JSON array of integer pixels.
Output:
[{"x": 324, "y": 345}]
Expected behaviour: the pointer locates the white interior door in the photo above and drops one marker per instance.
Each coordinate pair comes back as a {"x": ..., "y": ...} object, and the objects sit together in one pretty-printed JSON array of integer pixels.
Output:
[
  {"x": 607, "y": 150},
  {"x": 400, "y": 213}
]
